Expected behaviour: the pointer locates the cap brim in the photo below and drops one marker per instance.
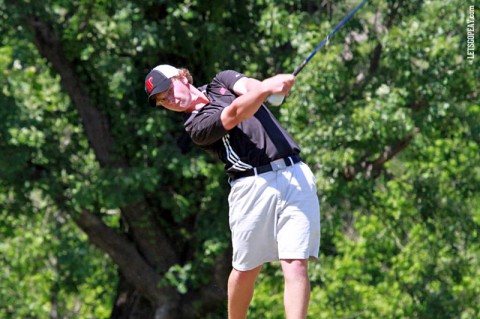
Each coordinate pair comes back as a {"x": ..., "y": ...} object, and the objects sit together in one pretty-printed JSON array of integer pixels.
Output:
[{"x": 162, "y": 87}]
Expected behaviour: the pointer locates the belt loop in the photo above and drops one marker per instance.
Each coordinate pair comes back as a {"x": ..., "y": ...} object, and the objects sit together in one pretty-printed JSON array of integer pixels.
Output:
[
  {"x": 291, "y": 160},
  {"x": 255, "y": 171}
]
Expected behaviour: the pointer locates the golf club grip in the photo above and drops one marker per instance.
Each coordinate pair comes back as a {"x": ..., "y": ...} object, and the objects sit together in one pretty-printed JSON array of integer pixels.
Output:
[{"x": 275, "y": 99}]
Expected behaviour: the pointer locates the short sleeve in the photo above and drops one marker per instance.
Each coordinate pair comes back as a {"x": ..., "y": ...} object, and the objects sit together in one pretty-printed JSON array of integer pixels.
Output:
[
  {"x": 205, "y": 126},
  {"x": 228, "y": 78}
]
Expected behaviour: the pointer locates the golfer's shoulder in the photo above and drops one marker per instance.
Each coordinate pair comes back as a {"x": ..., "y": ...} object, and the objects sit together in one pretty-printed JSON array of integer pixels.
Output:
[{"x": 228, "y": 77}]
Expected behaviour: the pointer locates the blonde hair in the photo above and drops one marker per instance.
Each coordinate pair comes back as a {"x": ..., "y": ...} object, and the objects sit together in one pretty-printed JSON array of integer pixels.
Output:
[{"x": 184, "y": 73}]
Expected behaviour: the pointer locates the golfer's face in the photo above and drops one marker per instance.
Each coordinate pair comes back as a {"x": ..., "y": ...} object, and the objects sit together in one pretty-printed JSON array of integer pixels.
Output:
[{"x": 177, "y": 97}]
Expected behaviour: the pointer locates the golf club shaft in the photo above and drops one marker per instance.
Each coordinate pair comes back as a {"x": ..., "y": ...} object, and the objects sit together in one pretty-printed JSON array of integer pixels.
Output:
[
  {"x": 277, "y": 99},
  {"x": 301, "y": 66}
]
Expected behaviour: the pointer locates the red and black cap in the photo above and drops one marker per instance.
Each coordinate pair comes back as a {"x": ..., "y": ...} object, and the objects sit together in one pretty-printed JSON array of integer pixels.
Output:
[{"x": 158, "y": 80}]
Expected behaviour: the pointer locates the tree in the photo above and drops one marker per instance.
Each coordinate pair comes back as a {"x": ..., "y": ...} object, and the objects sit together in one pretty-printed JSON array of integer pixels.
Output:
[
  {"x": 387, "y": 114},
  {"x": 102, "y": 167}
]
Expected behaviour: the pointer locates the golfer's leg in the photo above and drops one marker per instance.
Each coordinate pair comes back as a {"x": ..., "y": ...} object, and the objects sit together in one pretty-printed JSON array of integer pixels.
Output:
[
  {"x": 240, "y": 292},
  {"x": 297, "y": 288}
]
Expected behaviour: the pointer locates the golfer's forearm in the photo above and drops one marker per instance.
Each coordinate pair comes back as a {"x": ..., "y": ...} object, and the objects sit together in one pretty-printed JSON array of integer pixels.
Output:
[
  {"x": 252, "y": 94},
  {"x": 248, "y": 104},
  {"x": 244, "y": 106}
]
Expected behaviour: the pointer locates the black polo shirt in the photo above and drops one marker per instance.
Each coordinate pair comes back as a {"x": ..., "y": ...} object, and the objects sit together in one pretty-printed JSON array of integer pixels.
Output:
[{"x": 253, "y": 142}]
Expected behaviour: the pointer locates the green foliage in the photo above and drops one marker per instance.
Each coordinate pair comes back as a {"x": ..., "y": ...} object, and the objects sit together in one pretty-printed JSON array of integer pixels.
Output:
[
  {"x": 403, "y": 246},
  {"x": 399, "y": 240},
  {"x": 48, "y": 266}
]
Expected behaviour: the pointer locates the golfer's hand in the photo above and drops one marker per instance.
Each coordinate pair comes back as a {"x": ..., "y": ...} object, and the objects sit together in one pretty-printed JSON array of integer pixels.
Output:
[{"x": 279, "y": 86}]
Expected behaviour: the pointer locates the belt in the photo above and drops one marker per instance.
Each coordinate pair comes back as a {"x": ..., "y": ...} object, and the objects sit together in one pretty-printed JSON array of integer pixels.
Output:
[{"x": 272, "y": 166}]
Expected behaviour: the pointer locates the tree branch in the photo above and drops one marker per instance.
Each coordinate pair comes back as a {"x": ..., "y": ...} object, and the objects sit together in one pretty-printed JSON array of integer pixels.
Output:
[
  {"x": 149, "y": 238},
  {"x": 99, "y": 136},
  {"x": 127, "y": 257},
  {"x": 362, "y": 80},
  {"x": 96, "y": 124},
  {"x": 373, "y": 168},
  {"x": 212, "y": 294}
]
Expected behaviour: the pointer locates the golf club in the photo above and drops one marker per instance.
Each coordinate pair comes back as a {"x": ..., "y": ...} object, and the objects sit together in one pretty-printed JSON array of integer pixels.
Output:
[{"x": 277, "y": 99}]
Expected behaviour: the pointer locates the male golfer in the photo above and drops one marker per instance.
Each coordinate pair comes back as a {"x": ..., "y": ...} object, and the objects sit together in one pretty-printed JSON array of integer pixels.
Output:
[{"x": 274, "y": 210}]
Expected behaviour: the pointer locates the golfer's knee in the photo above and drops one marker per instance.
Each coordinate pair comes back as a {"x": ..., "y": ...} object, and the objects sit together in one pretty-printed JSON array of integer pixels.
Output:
[
  {"x": 244, "y": 275},
  {"x": 295, "y": 268}
]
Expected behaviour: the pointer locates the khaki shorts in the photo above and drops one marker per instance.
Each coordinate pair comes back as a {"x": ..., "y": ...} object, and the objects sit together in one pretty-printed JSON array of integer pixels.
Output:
[{"x": 274, "y": 215}]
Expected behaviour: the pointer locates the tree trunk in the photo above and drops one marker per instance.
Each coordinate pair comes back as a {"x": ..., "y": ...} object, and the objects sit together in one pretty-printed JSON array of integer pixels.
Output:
[
  {"x": 129, "y": 304},
  {"x": 143, "y": 253}
]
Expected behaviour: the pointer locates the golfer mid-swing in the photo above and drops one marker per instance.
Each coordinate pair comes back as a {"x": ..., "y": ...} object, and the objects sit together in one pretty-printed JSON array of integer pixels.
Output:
[{"x": 274, "y": 210}]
